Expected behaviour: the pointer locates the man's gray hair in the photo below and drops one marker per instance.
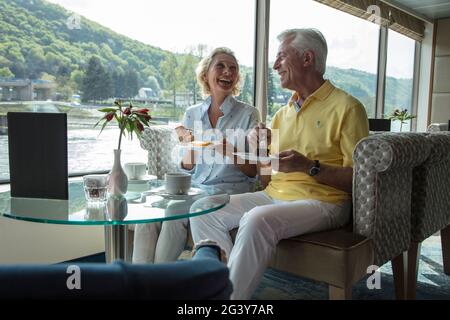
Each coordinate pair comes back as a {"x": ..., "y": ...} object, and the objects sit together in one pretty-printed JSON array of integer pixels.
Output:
[{"x": 308, "y": 39}]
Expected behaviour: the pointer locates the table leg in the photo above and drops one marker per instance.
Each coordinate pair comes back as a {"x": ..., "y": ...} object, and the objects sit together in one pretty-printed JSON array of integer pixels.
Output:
[{"x": 116, "y": 243}]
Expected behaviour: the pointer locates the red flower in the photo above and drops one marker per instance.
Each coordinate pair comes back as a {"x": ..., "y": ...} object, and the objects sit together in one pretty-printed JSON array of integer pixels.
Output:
[
  {"x": 128, "y": 121},
  {"x": 109, "y": 116},
  {"x": 143, "y": 111}
]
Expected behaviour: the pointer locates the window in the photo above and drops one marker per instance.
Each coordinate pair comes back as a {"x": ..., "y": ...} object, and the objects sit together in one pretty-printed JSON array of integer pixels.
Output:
[
  {"x": 352, "y": 49},
  {"x": 82, "y": 55},
  {"x": 399, "y": 76}
]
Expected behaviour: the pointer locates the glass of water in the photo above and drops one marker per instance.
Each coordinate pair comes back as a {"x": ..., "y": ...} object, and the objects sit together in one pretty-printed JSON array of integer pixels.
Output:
[{"x": 96, "y": 187}]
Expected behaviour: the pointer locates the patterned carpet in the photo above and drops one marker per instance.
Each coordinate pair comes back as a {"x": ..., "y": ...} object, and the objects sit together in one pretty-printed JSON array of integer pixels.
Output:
[{"x": 432, "y": 282}]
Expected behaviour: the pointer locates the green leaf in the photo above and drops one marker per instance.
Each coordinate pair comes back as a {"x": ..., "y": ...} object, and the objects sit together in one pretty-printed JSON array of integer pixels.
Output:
[
  {"x": 103, "y": 126},
  {"x": 99, "y": 121},
  {"x": 107, "y": 110}
]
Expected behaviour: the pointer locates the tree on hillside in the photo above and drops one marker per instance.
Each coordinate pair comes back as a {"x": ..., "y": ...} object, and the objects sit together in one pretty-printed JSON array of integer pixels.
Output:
[
  {"x": 271, "y": 89},
  {"x": 97, "y": 84},
  {"x": 188, "y": 74},
  {"x": 153, "y": 83},
  {"x": 247, "y": 90},
  {"x": 131, "y": 83},
  {"x": 6, "y": 73},
  {"x": 171, "y": 75}
]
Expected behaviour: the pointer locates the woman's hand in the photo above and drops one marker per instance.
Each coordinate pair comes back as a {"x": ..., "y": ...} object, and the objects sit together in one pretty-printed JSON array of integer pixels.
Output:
[{"x": 184, "y": 135}]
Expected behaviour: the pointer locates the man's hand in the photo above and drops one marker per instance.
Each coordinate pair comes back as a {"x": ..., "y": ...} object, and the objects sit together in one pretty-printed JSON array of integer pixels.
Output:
[
  {"x": 259, "y": 137},
  {"x": 292, "y": 160}
]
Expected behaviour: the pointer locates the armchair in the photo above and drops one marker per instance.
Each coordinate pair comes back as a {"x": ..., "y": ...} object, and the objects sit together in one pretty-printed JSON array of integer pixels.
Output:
[
  {"x": 382, "y": 181},
  {"x": 203, "y": 277}
]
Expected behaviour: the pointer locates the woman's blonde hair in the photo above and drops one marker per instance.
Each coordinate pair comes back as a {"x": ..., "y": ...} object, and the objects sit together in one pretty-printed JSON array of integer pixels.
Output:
[{"x": 203, "y": 67}]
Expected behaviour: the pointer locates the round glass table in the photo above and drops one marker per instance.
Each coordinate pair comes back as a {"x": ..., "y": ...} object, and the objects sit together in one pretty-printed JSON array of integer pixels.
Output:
[{"x": 143, "y": 203}]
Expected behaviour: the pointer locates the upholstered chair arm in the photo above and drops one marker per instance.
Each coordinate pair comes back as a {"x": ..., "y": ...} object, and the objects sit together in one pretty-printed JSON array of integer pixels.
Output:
[{"x": 382, "y": 182}]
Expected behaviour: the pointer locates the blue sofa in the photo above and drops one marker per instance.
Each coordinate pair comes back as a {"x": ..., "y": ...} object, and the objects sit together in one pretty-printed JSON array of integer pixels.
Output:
[{"x": 202, "y": 277}]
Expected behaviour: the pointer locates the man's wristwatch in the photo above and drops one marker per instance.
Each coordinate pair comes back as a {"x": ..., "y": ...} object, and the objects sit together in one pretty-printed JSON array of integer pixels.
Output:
[{"x": 315, "y": 169}]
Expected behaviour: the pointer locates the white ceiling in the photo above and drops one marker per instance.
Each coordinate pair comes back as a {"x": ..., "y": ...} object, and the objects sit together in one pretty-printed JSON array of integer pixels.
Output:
[{"x": 431, "y": 9}]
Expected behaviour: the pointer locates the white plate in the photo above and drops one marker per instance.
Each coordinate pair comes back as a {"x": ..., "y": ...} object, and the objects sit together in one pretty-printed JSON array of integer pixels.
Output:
[
  {"x": 254, "y": 157},
  {"x": 145, "y": 179},
  {"x": 189, "y": 145},
  {"x": 162, "y": 193}
]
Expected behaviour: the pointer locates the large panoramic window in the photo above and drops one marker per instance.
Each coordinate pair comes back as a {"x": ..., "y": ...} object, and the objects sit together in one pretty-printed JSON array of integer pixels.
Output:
[
  {"x": 399, "y": 77},
  {"x": 77, "y": 56},
  {"x": 352, "y": 49}
]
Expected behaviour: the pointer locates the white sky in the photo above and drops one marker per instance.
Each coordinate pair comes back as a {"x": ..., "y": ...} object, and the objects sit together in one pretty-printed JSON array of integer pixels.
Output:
[{"x": 177, "y": 24}]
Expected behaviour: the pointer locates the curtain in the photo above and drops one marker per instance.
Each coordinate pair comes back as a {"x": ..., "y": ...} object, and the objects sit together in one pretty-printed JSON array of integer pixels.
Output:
[{"x": 381, "y": 13}]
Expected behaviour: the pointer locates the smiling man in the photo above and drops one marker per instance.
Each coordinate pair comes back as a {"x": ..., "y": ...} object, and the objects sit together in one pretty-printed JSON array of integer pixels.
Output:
[{"x": 317, "y": 133}]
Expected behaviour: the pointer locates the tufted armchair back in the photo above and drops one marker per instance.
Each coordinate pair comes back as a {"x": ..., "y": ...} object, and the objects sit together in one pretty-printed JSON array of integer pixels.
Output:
[
  {"x": 430, "y": 210},
  {"x": 431, "y": 189},
  {"x": 382, "y": 180},
  {"x": 160, "y": 141}
]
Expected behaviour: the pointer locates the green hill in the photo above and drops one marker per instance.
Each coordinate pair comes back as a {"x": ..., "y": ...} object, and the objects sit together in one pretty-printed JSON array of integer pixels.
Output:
[
  {"x": 35, "y": 39},
  {"x": 36, "y": 42}
]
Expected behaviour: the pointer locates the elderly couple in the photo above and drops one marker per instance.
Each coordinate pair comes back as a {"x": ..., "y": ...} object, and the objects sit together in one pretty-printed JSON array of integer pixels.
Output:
[{"x": 317, "y": 133}]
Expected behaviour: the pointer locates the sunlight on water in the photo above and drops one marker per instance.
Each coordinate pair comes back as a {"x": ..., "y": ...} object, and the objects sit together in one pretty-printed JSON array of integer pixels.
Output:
[{"x": 87, "y": 151}]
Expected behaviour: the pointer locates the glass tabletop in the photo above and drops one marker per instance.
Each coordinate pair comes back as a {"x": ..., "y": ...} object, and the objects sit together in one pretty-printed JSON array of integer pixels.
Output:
[{"x": 143, "y": 203}]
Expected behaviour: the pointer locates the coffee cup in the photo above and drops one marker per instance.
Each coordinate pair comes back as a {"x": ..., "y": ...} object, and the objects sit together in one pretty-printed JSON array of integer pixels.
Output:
[
  {"x": 177, "y": 182},
  {"x": 135, "y": 170}
]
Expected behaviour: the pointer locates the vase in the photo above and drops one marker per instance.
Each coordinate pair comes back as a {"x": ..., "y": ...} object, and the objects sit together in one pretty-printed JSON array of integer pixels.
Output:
[
  {"x": 117, "y": 208},
  {"x": 118, "y": 181}
]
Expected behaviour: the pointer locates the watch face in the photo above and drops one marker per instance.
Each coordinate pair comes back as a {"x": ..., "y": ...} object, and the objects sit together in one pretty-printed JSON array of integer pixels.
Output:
[{"x": 314, "y": 171}]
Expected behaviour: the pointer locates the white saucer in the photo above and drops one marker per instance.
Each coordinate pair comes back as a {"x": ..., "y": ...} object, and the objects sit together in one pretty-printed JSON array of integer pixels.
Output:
[
  {"x": 162, "y": 193},
  {"x": 253, "y": 157},
  {"x": 130, "y": 196},
  {"x": 145, "y": 179}
]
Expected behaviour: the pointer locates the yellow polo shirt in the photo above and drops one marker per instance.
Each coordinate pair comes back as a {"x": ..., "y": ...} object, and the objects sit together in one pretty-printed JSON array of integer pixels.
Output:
[{"x": 327, "y": 128}]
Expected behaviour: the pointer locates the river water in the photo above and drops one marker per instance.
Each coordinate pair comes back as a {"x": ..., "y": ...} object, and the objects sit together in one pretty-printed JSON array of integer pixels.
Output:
[{"x": 87, "y": 151}]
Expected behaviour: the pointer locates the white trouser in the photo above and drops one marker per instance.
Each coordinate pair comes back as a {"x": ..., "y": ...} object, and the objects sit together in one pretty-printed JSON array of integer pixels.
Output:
[
  {"x": 262, "y": 223},
  {"x": 159, "y": 242}
]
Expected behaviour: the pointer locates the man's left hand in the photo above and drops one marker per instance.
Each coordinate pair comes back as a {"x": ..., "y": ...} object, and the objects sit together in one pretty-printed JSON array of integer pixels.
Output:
[{"x": 291, "y": 161}]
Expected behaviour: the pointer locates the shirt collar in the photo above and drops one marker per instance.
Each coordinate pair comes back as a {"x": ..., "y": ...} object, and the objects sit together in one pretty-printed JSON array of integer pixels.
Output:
[
  {"x": 226, "y": 106},
  {"x": 321, "y": 93}
]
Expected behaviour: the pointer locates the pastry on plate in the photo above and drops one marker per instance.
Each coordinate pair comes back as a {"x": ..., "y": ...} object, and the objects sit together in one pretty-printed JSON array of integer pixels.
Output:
[{"x": 201, "y": 143}]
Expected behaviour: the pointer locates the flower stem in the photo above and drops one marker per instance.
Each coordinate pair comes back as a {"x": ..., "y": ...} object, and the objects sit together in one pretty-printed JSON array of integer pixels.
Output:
[{"x": 120, "y": 137}]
